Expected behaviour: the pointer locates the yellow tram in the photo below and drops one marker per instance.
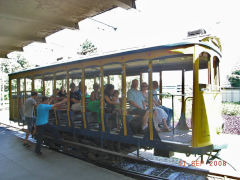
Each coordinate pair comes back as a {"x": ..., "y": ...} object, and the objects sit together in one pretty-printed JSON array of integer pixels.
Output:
[{"x": 206, "y": 123}]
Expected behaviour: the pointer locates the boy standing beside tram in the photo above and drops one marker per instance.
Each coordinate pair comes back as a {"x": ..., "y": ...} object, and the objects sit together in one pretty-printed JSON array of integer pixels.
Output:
[
  {"x": 29, "y": 118},
  {"x": 42, "y": 121}
]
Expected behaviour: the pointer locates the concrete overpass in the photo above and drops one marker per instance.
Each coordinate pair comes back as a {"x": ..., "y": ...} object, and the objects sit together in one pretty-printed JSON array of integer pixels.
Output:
[{"x": 26, "y": 21}]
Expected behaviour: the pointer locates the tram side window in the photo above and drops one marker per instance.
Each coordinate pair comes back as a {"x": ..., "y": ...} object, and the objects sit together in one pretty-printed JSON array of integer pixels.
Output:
[
  {"x": 13, "y": 102},
  {"x": 204, "y": 71}
]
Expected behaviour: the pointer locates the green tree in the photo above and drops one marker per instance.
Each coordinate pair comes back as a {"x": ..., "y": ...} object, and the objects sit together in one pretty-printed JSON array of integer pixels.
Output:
[
  {"x": 14, "y": 64},
  {"x": 87, "y": 47},
  {"x": 234, "y": 78}
]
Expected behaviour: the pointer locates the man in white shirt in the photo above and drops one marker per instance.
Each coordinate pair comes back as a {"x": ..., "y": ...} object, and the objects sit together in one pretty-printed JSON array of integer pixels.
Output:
[{"x": 136, "y": 100}]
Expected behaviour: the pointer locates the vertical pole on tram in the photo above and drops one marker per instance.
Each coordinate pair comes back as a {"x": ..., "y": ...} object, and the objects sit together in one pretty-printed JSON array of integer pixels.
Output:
[
  {"x": 209, "y": 70},
  {"x": 213, "y": 73},
  {"x": 55, "y": 96},
  {"x": 183, "y": 91},
  {"x": 33, "y": 89},
  {"x": 124, "y": 99},
  {"x": 173, "y": 113},
  {"x": 33, "y": 84},
  {"x": 25, "y": 89},
  {"x": 18, "y": 98},
  {"x": 195, "y": 109},
  {"x": 10, "y": 99},
  {"x": 150, "y": 98},
  {"x": 68, "y": 100},
  {"x": 43, "y": 86},
  {"x": 102, "y": 98},
  {"x": 160, "y": 86},
  {"x": 83, "y": 99},
  {"x": 218, "y": 73},
  {"x": 95, "y": 80},
  {"x": 182, "y": 121},
  {"x": 141, "y": 79},
  {"x": 108, "y": 79}
]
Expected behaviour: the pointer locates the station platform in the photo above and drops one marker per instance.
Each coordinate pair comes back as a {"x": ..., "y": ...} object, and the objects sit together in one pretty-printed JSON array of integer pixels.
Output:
[{"x": 19, "y": 162}]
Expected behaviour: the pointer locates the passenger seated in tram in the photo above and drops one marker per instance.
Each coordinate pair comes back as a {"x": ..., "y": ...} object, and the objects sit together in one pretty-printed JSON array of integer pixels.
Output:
[
  {"x": 75, "y": 99},
  {"x": 95, "y": 95},
  {"x": 94, "y": 102},
  {"x": 117, "y": 107},
  {"x": 160, "y": 116},
  {"x": 79, "y": 90},
  {"x": 158, "y": 103},
  {"x": 136, "y": 99},
  {"x": 110, "y": 105},
  {"x": 115, "y": 98}
]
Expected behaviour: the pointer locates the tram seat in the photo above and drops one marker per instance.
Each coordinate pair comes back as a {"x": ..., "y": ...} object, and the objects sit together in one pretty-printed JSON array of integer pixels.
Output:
[
  {"x": 76, "y": 118},
  {"x": 91, "y": 118},
  {"x": 128, "y": 110},
  {"x": 51, "y": 117},
  {"x": 62, "y": 117}
]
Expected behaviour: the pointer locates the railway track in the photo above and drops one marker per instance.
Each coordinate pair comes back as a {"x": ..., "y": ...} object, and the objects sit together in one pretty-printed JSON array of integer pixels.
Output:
[{"x": 138, "y": 168}]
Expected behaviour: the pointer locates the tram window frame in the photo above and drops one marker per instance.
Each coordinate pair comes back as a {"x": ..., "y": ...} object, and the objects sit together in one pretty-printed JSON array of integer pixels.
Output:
[
  {"x": 28, "y": 85},
  {"x": 14, "y": 86},
  {"x": 21, "y": 84},
  {"x": 204, "y": 71},
  {"x": 38, "y": 86},
  {"x": 49, "y": 88}
]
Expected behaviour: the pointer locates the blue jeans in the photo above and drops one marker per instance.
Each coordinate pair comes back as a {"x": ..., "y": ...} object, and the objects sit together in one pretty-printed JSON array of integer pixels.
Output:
[
  {"x": 30, "y": 123},
  {"x": 169, "y": 113}
]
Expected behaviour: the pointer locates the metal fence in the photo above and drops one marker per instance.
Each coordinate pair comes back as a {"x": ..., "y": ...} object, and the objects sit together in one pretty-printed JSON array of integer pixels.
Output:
[{"x": 231, "y": 95}]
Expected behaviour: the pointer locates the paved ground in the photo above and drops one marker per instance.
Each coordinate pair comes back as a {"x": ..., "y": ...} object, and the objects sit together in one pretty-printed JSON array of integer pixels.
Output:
[
  {"x": 22, "y": 163},
  {"x": 18, "y": 162}
]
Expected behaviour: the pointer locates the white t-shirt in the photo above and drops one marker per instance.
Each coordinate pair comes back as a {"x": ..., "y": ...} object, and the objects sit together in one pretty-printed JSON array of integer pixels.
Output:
[{"x": 28, "y": 107}]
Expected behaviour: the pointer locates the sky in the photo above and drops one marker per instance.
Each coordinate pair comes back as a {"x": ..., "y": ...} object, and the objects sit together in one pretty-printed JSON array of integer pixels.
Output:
[{"x": 154, "y": 22}]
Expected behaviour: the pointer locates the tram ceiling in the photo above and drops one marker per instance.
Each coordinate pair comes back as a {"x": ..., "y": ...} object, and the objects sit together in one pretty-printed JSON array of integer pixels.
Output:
[{"x": 26, "y": 21}]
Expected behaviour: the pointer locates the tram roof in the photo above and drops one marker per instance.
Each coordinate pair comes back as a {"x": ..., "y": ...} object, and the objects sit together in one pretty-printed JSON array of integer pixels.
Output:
[
  {"x": 26, "y": 21},
  {"x": 135, "y": 68}
]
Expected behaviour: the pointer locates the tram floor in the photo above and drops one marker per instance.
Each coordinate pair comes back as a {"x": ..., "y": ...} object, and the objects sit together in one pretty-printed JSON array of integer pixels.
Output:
[
  {"x": 19, "y": 162},
  {"x": 179, "y": 136}
]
